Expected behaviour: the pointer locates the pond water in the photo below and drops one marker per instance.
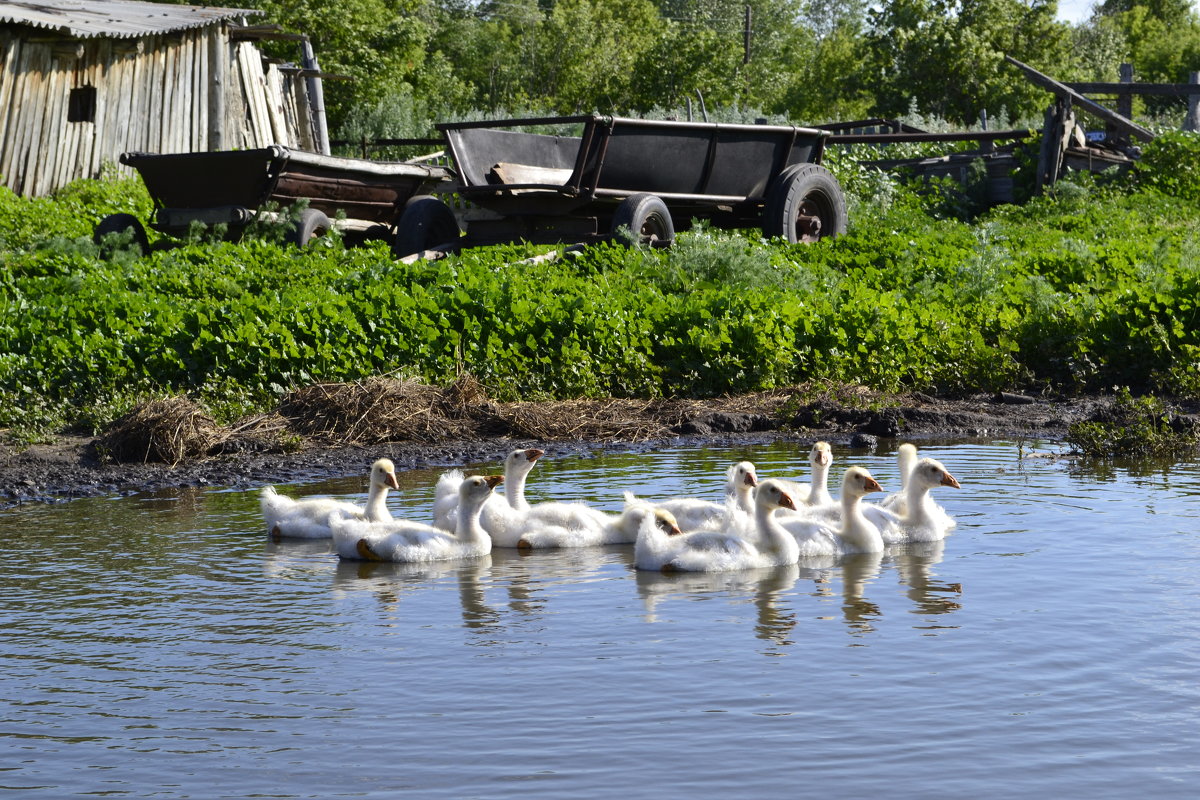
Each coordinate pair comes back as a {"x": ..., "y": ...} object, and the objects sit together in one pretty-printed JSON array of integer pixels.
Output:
[{"x": 158, "y": 645}]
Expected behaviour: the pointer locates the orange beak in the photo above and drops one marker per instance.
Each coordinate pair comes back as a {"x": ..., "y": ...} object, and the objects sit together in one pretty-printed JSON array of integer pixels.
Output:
[
  {"x": 751, "y": 479},
  {"x": 390, "y": 480},
  {"x": 872, "y": 485},
  {"x": 494, "y": 480},
  {"x": 534, "y": 455},
  {"x": 950, "y": 480},
  {"x": 786, "y": 501}
]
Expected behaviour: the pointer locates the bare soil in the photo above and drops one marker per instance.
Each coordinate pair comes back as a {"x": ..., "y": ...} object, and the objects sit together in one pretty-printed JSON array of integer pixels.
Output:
[{"x": 421, "y": 427}]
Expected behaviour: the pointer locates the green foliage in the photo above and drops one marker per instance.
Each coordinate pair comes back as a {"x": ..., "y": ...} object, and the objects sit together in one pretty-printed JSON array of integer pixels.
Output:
[
  {"x": 948, "y": 55},
  {"x": 1171, "y": 164},
  {"x": 1076, "y": 292},
  {"x": 413, "y": 62},
  {"x": 1135, "y": 427}
]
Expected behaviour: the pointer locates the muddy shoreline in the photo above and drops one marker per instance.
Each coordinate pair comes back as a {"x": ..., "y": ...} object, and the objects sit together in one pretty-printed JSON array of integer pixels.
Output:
[{"x": 70, "y": 467}]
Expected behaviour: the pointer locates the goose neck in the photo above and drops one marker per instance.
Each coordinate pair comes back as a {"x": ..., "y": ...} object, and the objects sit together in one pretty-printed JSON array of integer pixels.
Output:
[{"x": 376, "y": 509}]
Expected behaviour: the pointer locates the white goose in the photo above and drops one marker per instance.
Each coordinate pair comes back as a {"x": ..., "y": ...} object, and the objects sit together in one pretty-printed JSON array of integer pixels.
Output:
[
  {"x": 407, "y": 541},
  {"x": 544, "y": 531},
  {"x": 308, "y": 517},
  {"x": 925, "y": 520},
  {"x": 517, "y": 466},
  {"x": 906, "y": 459},
  {"x": 693, "y": 513},
  {"x": 854, "y": 534},
  {"x": 713, "y": 551},
  {"x": 815, "y": 493}
]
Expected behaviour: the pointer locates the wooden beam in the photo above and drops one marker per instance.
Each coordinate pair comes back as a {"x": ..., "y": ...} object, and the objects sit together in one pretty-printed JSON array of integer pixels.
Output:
[
  {"x": 1060, "y": 90},
  {"x": 960, "y": 136},
  {"x": 1149, "y": 89}
]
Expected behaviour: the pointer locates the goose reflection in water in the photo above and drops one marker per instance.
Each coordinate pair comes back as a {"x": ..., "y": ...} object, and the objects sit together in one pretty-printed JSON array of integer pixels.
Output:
[
  {"x": 913, "y": 562},
  {"x": 389, "y": 580}
]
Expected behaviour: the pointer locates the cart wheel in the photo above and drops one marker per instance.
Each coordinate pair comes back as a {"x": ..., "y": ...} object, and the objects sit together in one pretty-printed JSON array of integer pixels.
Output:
[
  {"x": 120, "y": 223},
  {"x": 804, "y": 204},
  {"x": 358, "y": 237},
  {"x": 647, "y": 217},
  {"x": 311, "y": 225},
  {"x": 425, "y": 223}
]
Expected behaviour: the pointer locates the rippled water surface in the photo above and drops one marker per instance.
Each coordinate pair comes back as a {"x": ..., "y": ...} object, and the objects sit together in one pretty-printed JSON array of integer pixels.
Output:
[{"x": 160, "y": 646}]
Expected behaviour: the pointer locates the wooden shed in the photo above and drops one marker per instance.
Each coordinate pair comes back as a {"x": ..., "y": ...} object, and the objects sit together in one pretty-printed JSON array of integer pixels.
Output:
[{"x": 82, "y": 81}]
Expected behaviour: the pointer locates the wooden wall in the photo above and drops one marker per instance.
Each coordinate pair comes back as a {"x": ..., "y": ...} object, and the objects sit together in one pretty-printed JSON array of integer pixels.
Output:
[{"x": 172, "y": 93}]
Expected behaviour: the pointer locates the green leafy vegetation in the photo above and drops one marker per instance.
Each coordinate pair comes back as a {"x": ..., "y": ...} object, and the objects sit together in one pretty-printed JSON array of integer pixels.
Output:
[
  {"x": 1093, "y": 287},
  {"x": 1135, "y": 427}
]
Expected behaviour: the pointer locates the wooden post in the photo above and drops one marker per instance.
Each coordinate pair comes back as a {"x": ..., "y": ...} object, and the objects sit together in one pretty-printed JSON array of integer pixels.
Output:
[
  {"x": 316, "y": 97},
  {"x": 1192, "y": 121},
  {"x": 1125, "y": 99}
]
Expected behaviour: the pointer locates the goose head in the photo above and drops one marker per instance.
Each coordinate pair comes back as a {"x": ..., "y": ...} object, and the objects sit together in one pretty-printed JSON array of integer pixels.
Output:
[
  {"x": 476, "y": 489},
  {"x": 821, "y": 455},
  {"x": 523, "y": 459},
  {"x": 383, "y": 473},
  {"x": 929, "y": 473},
  {"x": 771, "y": 495},
  {"x": 644, "y": 516},
  {"x": 742, "y": 475},
  {"x": 858, "y": 482}
]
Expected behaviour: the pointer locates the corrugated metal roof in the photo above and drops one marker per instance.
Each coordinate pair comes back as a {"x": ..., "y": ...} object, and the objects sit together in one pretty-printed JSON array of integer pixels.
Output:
[{"x": 120, "y": 19}]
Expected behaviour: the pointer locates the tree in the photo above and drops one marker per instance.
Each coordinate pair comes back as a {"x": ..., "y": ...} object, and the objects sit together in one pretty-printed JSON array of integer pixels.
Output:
[{"x": 947, "y": 56}]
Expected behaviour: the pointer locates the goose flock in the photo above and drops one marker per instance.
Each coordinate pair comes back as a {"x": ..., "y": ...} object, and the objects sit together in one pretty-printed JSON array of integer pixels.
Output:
[{"x": 770, "y": 523}]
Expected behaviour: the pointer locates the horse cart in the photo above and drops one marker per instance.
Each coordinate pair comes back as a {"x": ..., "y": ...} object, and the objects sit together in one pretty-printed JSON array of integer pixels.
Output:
[
  {"x": 236, "y": 187},
  {"x": 605, "y": 173}
]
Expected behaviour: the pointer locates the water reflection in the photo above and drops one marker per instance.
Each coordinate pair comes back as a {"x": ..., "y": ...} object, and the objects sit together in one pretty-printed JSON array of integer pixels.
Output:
[
  {"x": 858, "y": 571},
  {"x": 389, "y": 581},
  {"x": 913, "y": 562}
]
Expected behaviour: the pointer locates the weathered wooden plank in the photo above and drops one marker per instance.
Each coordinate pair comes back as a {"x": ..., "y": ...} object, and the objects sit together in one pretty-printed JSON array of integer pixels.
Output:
[
  {"x": 12, "y": 144},
  {"x": 304, "y": 124},
  {"x": 1192, "y": 121},
  {"x": 100, "y": 75},
  {"x": 9, "y": 49},
  {"x": 176, "y": 117},
  {"x": 218, "y": 75},
  {"x": 251, "y": 72},
  {"x": 46, "y": 145},
  {"x": 1145, "y": 89},
  {"x": 258, "y": 81},
  {"x": 118, "y": 134},
  {"x": 273, "y": 98},
  {"x": 153, "y": 82},
  {"x": 893, "y": 138},
  {"x": 1121, "y": 123},
  {"x": 200, "y": 93},
  {"x": 68, "y": 132},
  {"x": 139, "y": 100}
]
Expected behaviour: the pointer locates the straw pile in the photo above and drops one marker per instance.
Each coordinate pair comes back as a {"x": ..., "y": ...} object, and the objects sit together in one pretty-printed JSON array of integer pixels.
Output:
[
  {"x": 166, "y": 430},
  {"x": 382, "y": 409}
]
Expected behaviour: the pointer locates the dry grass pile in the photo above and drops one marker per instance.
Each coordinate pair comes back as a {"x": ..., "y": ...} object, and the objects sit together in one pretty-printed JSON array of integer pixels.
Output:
[
  {"x": 165, "y": 431},
  {"x": 380, "y": 409},
  {"x": 383, "y": 409}
]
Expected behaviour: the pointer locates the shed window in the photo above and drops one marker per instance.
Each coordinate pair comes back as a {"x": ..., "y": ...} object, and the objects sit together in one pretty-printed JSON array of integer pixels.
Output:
[{"x": 81, "y": 105}]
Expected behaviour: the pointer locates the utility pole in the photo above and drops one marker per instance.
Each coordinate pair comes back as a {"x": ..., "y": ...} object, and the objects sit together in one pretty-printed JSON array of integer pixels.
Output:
[{"x": 746, "y": 39}]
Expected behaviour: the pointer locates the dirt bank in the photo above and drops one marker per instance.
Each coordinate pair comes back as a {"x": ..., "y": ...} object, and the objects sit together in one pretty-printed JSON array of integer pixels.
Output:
[{"x": 279, "y": 448}]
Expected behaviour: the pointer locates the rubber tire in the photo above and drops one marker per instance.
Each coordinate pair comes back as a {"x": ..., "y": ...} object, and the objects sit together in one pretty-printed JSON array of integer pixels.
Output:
[
  {"x": 119, "y": 223},
  {"x": 804, "y": 188},
  {"x": 425, "y": 223},
  {"x": 648, "y": 217},
  {"x": 310, "y": 225}
]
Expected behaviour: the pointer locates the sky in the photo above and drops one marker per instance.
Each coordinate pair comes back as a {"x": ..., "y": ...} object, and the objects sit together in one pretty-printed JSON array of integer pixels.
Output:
[{"x": 1075, "y": 10}]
